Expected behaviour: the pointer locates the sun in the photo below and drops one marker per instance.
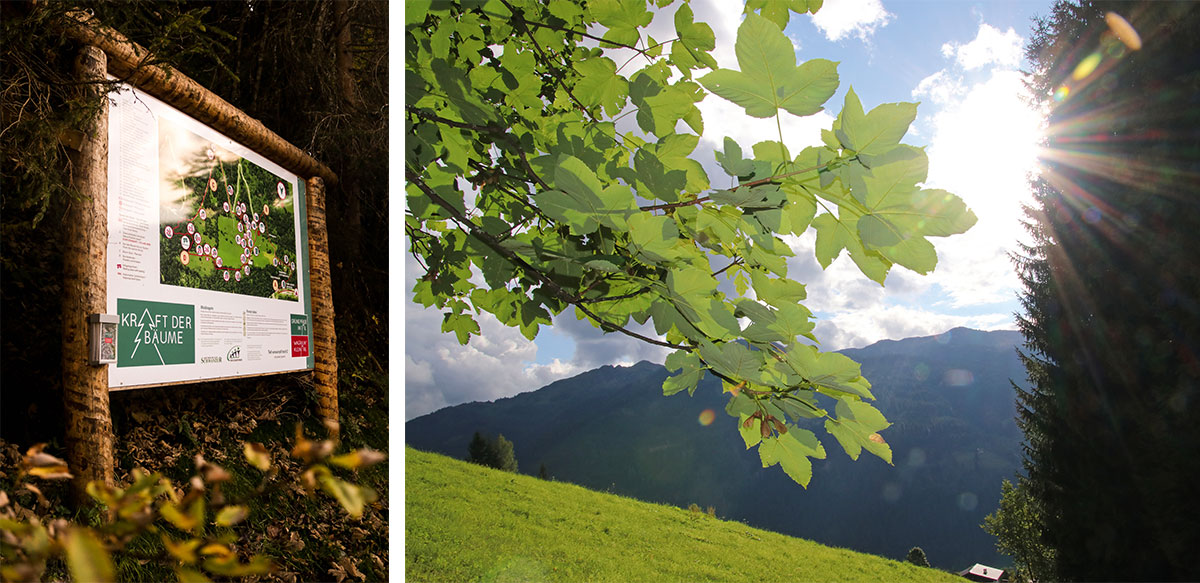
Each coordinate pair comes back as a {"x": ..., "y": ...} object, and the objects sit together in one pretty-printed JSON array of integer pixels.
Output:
[{"x": 985, "y": 148}]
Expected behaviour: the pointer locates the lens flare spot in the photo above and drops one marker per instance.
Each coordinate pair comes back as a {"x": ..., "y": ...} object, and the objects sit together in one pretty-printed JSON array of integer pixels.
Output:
[
  {"x": 1108, "y": 82},
  {"x": 968, "y": 501},
  {"x": 892, "y": 491},
  {"x": 1092, "y": 215},
  {"x": 1087, "y": 66},
  {"x": 1123, "y": 30},
  {"x": 707, "y": 417},
  {"x": 1114, "y": 49},
  {"x": 921, "y": 371},
  {"x": 916, "y": 457},
  {"x": 1062, "y": 93},
  {"x": 944, "y": 338},
  {"x": 957, "y": 377}
]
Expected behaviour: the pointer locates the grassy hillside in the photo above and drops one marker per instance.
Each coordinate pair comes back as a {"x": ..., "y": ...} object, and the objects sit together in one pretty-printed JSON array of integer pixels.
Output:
[
  {"x": 954, "y": 438},
  {"x": 468, "y": 523}
]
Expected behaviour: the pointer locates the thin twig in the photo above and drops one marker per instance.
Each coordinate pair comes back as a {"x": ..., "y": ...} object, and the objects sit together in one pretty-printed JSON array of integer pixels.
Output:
[{"x": 556, "y": 290}]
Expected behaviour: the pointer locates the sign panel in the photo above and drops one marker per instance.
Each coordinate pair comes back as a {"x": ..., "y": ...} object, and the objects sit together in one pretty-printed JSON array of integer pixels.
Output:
[{"x": 207, "y": 252}]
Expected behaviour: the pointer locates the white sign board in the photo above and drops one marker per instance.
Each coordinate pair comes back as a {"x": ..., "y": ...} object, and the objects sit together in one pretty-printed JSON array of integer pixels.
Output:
[{"x": 207, "y": 252}]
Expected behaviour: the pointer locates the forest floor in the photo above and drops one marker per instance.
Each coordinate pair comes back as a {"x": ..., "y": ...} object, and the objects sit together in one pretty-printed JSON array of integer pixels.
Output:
[{"x": 308, "y": 537}]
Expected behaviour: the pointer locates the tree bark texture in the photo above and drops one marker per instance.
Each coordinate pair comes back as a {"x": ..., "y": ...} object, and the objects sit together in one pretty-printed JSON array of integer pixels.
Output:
[
  {"x": 325, "y": 373},
  {"x": 89, "y": 439},
  {"x": 126, "y": 60},
  {"x": 344, "y": 61}
]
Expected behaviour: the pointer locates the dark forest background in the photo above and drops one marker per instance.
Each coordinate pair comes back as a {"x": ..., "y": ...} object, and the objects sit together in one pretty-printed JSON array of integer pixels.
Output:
[{"x": 316, "y": 73}]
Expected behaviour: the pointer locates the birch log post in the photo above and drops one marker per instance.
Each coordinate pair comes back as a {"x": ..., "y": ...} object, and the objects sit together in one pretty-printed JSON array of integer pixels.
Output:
[
  {"x": 89, "y": 439},
  {"x": 131, "y": 63},
  {"x": 324, "y": 349}
]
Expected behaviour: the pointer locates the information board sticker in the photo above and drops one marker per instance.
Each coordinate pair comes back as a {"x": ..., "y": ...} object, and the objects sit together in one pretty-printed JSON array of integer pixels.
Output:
[{"x": 199, "y": 306}]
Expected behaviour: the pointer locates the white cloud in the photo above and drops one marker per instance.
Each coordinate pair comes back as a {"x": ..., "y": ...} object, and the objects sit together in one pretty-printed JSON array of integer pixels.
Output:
[
  {"x": 982, "y": 148},
  {"x": 859, "y": 328},
  {"x": 723, "y": 17},
  {"x": 724, "y": 118},
  {"x": 983, "y": 144},
  {"x": 853, "y": 311},
  {"x": 941, "y": 88},
  {"x": 838, "y": 19},
  {"x": 989, "y": 47},
  {"x": 439, "y": 372}
]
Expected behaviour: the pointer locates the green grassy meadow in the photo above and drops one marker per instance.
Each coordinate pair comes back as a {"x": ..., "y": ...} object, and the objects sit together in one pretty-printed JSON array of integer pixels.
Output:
[{"x": 464, "y": 522}]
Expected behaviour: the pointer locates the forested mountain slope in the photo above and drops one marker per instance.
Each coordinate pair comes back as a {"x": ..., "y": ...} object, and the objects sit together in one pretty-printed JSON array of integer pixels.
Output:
[{"x": 949, "y": 398}]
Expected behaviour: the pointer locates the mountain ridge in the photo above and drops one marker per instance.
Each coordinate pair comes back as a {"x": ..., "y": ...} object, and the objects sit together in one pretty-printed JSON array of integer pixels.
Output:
[{"x": 953, "y": 439}]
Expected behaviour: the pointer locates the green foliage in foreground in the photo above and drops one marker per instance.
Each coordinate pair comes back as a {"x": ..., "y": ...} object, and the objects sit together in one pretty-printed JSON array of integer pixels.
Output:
[
  {"x": 195, "y": 529},
  {"x": 517, "y": 170},
  {"x": 468, "y": 523}
]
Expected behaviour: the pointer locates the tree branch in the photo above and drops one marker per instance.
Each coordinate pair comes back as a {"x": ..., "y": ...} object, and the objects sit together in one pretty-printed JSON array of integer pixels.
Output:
[
  {"x": 421, "y": 113},
  {"x": 500, "y": 132},
  {"x": 615, "y": 328},
  {"x": 737, "y": 261},
  {"x": 573, "y": 31},
  {"x": 616, "y": 298},
  {"x": 672, "y": 205},
  {"x": 556, "y": 290},
  {"x": 538, "y": 49},
  {"x": 750, "y": 184}
]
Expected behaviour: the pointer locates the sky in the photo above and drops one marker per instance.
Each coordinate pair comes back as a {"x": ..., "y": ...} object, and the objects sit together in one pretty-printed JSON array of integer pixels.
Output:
[{"x": 961, "y": 60}]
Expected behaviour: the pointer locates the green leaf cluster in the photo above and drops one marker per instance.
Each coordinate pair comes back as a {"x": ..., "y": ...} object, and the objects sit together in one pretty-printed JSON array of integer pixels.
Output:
[{"x": 545, "y": 173}]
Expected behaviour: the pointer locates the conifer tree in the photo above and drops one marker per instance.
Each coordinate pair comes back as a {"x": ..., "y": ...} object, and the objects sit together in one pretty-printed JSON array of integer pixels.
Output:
[
  {"x": 1111, "y": 317},
  {"x": 479, "y": 451}
]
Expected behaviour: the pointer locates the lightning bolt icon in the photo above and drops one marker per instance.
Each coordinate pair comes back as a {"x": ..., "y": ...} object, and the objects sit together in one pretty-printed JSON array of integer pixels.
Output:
[{"x": 137, "y": 340}]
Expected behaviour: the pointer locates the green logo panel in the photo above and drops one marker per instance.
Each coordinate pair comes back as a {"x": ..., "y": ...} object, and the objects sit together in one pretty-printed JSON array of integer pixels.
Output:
[
  {"x": 155, "y": 333},
  {"x": 299, "y": 325}
]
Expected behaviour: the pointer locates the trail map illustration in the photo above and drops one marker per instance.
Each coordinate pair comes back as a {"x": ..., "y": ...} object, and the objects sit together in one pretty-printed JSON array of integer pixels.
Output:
[{"x": 225, "y": 223}]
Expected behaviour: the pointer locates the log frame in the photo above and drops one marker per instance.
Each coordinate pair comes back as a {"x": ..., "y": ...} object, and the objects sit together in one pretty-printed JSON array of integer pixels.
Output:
[
  {"x": 89, "y": 436},
  {"x": 324, "y": 350},
  {"x": 129, "y": 61}
]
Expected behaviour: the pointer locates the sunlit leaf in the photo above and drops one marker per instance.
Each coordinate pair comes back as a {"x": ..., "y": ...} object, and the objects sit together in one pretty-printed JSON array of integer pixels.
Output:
[
  {"x": 690, "y": 371},
  {"x": 257, "y": 455},
  {"x": 86, "y": 557},
  {"x": 791, "y": 451},
  {"x": 360, "y": 458},
  {"x": 601, "y": 85},
  {"x": 769, "y": 79},
  {"x": 184, "y": 551},
  {"x": 875, "y": 132},
  {"x": 352, "y": 498},
  {"x": 231, "y": 515},
  {"x": 749, "y": 429}
]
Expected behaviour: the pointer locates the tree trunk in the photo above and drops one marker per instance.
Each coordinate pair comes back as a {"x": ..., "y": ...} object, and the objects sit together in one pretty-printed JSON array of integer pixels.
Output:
[
  {"x": 343, "y": 60},
  {"x": 324, "y": 349},
  {"x": 89, "y": 439}
]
